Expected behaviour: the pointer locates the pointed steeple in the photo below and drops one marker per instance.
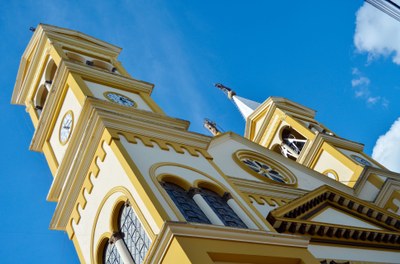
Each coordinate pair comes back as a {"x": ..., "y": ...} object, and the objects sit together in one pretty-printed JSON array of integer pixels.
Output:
[{"x": 245, "y": 106}]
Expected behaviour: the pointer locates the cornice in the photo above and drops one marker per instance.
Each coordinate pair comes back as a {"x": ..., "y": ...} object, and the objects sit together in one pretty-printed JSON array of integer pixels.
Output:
[
  {"x": 113, "y": 79},
  {"x": 293, "y": 217},
  {"x": 171, "y": 230},
  {"x": 147, "y": 124},
  {"x": 267, "y": 189},
  {"x": 54, "y": 32}
]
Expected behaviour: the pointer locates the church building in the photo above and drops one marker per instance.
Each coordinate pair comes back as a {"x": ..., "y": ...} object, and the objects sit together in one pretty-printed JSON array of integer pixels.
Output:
[{"x": 134, "y": 185}]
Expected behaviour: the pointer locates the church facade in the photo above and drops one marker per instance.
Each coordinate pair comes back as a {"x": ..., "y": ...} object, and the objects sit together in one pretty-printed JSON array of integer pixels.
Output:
[{"x": 133, "y": 185}]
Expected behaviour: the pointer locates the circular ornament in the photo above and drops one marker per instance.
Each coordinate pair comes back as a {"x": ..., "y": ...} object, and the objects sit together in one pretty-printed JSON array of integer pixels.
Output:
[
  {"x": 66, "y": 126},
  {"x": 119, "y": 99},
  {"x": 360, "y": 160},
  {"x": 264, "y": 168}
]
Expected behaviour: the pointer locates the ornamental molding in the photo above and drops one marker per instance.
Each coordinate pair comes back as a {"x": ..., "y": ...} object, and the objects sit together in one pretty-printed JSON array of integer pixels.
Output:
[{"x": 294, "y": 218}]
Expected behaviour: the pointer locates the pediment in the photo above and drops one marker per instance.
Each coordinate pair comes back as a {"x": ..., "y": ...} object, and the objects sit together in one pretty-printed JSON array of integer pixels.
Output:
[{"x": 331, "y": 216}]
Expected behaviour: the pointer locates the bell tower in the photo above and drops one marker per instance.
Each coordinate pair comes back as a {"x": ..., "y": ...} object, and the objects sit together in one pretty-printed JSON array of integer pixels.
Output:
[
  {"x": 79, "y": 98},
  {"x": 291, "y": 130}
]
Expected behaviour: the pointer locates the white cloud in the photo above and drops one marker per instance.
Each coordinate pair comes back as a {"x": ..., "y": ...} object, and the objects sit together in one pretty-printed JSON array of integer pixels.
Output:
[
  {"x": 387, "y": 150},
  {"x": 360, "y": 81},
  {"x": 377, "y": 34},
  {"x": 373, "y": 100}
]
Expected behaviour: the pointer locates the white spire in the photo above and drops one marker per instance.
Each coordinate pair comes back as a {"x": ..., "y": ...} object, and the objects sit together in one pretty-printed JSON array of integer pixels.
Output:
[{"x": 245, "y": 106}]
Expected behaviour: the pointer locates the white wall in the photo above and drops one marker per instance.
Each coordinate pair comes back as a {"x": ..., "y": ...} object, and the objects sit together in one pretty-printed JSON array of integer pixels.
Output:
[{"x": 111, "y": 175}]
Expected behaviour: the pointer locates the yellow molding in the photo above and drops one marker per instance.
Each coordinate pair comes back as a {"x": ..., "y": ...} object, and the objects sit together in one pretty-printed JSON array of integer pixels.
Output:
[
  {"x": 376, "y": 181},
  {"x": 33, "y": 114},
  {"x": 162, "y": 144},
  {"x": 78, "y": 87},
  {"x": 50, "y": 157},
  {"x": 100, "y": 248},
  {"x": 270, "y": 200},
  {"x": 124, "y": 195},
  {"x": 390, "y": 202}
]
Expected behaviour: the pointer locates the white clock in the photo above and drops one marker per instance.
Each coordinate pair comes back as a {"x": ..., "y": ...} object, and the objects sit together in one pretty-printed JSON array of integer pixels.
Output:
[
  {"x": 119, "y": 99},
  {"x": 66, "y": 126}
]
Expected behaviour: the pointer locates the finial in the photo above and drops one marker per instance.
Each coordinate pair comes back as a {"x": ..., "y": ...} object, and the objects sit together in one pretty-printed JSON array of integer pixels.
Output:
[
  {"x": 228, "y": 91},
  {"x": 211, "y": 126},
  {"x": 32, "y": 29}
]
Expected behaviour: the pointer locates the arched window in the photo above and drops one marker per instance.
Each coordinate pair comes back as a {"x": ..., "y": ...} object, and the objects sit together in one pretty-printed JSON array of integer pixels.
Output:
[
  {"x": 130, "y": 242},
  {"x": 111, "y": 255},
  {"x": 222, "y": 209},
  {"x": 183, "y": 200},
  {"x": 134, "y": 236}
]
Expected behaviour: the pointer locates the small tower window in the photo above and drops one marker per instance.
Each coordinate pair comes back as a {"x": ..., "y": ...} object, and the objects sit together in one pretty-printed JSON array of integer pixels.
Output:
[
  {"x": 186, "y": 205},
  {"x": 292, "y": 143},
  {"x": 50, "y": 72},
  {"x": 40, "y": 99}
]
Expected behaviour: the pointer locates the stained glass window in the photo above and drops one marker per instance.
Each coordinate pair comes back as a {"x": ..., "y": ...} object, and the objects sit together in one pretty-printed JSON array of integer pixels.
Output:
[
  {"x": 111, "y": 255},
  {"x": 222, "y": 209},
  {"x": 189, "y": 209},
  {"x": 134, "y": 236}
]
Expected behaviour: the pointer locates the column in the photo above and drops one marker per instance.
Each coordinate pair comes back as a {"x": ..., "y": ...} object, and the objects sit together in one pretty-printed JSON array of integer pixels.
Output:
[
  {"x": 123, "y": 251},
  {"x": 207, "y": 210},
  {"x": 239, "y": 211}
]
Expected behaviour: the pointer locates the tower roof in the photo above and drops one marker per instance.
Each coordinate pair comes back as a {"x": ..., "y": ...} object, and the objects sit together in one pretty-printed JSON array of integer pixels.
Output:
[{"x": 245, "y": 106}]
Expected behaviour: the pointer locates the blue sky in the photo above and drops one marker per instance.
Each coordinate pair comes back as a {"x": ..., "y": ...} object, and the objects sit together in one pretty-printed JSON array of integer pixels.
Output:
[{"x": 317, "y": 53}]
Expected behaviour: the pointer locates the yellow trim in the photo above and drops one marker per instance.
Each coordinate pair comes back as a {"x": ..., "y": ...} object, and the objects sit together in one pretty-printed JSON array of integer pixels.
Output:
[
  {"x": 63, "y": 143},
  {"x": 376, "y": 181},
  {"x": 390, "y": 202},
  {"x": 241, "y": 154},
  {"x": 333, "y": 172},
  {"x": 167, "y": 177},
  {"x": 78, "y": 87},
  {"x": 105, "y": 94},
  {"x": 50, "y": 157},
  {"x": 100, "y": 247},
  {"x": 124, "y": 194}
]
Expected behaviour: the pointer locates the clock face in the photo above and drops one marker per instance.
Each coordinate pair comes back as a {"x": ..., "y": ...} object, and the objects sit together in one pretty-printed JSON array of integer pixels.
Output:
[
  {"x": 264, "y": 170},
  {"x": 119, "y": 99},
  {"x": 66, "y": 127},
  {"x": 360, "y": 160}
]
